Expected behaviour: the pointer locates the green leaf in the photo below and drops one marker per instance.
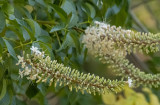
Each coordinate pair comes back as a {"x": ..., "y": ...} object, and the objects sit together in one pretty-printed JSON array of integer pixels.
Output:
[
  {"x": 16, "y": 31},
  {"x": 13, "y": 101},
  {"x": 71, "y": 40},
  {"x": 60, "y": 12},
  {"x": 44, "y": 38},
  {"x": 5, "y": 100},
  {"x": 57, "y": 28},
  {"x": 85, "y": 54},
  {"x": 41, "y": 2},
  {"x": 10, "y": 92},
  {"x": 41, "y": 99},
  {"x": 3, "y": 92},
  {"x": 32, "y": 90},
  {"x": 91, "y": 9},
  {"x": 8, "y": 8},
  {"x": 20, "y": 12},
  {"x": 73, "y": 21},
  {"x": 73, "y": 98},
  {"x": 42, "y": 88},
  {"x": 36, "y": 29},
  {"x": 1, "y": 71},
  {"x": 1, "y": 50},
  {"x": 25, "y": 34},
  {"x": 10, "y": 49},
  {"x": 30, "y": 33},
  {"x": 75, "y": 39},
  {"x": 85, "y": 9},
  {"x": 2, "y": 42},
  {"x": 2, "y": 21},
  {"x": 112, "y": 11},
  {"x": 69, "y": 7},
  {"x": 31, "y": 2},
  {"x": 47, "y": 48},
  {"x": 68, "y": 42}
]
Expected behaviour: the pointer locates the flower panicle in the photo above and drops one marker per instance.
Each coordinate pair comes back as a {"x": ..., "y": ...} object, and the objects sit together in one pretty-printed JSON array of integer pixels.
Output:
[
  {"x": 39, "y": 68},
  {"x": 111, "y": 44},
  {"x": 127, "y": 40}
]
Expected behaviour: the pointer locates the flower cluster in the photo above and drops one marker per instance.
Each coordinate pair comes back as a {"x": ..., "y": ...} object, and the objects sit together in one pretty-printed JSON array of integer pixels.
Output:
[
  {"x": 111, "y": 44},
  {"x": 127, "y": 39},
  {"x": 38, "y": 68}
]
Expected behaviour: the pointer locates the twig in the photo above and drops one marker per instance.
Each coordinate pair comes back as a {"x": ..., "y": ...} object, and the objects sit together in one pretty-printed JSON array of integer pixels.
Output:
[
  {"x": 84, "y": 22},
  {"x": 58, "y": 39},
  {"x": 20, "y": 46},
  {"x": 78, "y": 29},
  {"x": 10, "y": 39}
]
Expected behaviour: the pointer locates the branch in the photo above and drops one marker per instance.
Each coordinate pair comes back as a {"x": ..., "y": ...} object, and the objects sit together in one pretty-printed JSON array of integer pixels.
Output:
[{"x": 24, "y": 44}]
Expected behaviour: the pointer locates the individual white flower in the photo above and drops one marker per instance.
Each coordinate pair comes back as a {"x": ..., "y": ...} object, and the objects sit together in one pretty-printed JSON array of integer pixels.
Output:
[
  {"x": 38, "y": 52},
  {"x": 129, "y": 82},
  {"x": 23, "y": 64},
  {"x": 27, "y": 71},
  {"x": 39, "y": 79},
  {"x": 34, "y": 77},
  {"x": 20, "y": 60},
  {"x": 21, "y": 73},
  {"x": 44, "y": 80},
  {"x": 50, "y": 81},
  {"x": 97, "y": 22},
  {"x": 34, "y": 49}
]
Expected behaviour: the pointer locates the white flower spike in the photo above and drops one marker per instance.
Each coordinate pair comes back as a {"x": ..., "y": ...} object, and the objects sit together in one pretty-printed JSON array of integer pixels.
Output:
[{"x": 39, "y": 68}]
